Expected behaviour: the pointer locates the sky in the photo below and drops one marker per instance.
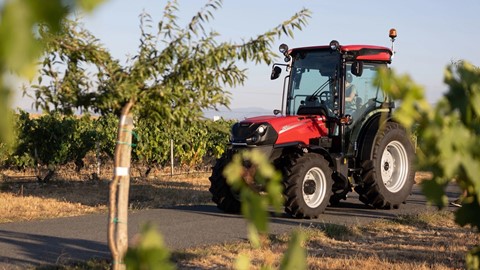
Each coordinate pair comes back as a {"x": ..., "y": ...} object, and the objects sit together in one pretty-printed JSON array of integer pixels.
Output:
[{"x": 431, "y": 34}]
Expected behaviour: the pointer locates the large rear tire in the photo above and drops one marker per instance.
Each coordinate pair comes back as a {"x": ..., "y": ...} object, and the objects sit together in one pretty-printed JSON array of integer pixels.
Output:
[
  {"x": 388, "y": 177},
  {"x": 308, "y": 185},
  {"x": 222, "y": 193}
]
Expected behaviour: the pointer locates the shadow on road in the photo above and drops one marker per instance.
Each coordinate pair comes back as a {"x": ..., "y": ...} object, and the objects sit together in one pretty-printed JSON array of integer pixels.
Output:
[
  {"x": 32, "y": 249},
  {"x": 350, "y": 211}
]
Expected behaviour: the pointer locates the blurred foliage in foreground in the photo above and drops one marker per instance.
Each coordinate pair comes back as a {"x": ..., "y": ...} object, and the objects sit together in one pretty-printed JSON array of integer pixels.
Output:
[
  {"x": 247, "y": 170},
  {"x": 448, "y": 137},
  {"x": 149, "y": 252},
  {"x": 20, "y": 48},
  {"x": 246, "y": 167}
]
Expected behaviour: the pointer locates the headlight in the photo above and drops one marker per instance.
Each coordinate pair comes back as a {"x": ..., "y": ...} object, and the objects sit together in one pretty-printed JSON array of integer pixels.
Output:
[
  {"x": 258, "y": 134},
  {"x": 261, "y": 130}
]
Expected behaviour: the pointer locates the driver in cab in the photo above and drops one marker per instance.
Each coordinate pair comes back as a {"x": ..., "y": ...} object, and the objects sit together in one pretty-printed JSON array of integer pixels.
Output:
[{"x": 350, "y": 94}]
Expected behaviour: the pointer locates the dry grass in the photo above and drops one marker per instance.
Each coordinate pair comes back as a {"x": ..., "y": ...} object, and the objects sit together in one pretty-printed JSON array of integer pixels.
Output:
[
  {"x": 71, "y": 194},
  {"x": 14, "y": 208},
  {"x": 398, "y": 244}
]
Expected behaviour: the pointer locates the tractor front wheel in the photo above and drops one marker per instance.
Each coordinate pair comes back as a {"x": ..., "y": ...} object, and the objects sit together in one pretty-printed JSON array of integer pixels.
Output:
[
  {"x": 222, "y": 193},
  {"x": 308, "y": 185}
]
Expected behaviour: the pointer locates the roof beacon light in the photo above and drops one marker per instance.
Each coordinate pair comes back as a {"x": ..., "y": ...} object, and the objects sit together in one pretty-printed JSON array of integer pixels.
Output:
[{"x": 393, "y": 35}]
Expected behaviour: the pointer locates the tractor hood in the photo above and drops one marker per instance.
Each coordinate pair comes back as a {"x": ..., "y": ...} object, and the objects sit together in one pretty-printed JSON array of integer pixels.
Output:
[{"x": 278, "y": 130}]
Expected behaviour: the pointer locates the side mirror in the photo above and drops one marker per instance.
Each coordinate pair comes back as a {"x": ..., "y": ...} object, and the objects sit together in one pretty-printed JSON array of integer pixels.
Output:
[
  {"x": 357, "y": 68},
  {"x": 276, "y": 112},
  {"x": 276, "y": 70}
]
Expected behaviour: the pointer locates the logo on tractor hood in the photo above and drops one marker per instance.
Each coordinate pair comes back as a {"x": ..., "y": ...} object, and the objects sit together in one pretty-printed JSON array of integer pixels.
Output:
[{"x": 289, "y": 127}]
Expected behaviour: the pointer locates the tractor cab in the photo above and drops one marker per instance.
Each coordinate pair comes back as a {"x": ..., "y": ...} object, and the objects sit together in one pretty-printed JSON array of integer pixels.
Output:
[{"x": 334, "y": 81}]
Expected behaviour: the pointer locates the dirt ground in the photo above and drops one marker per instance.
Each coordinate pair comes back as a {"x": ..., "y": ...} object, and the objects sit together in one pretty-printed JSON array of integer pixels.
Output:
[{"x": 424, "y": 241}]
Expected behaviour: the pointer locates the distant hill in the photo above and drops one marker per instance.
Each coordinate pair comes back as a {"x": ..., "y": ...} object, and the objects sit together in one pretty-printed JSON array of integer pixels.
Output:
[
  {"x": 237, "y": 113},
  {"x": 228, "y": 114}
]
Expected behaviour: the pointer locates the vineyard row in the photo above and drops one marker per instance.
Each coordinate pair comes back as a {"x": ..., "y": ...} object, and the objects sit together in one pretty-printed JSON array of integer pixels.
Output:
[{"x": 53, "y": 140}]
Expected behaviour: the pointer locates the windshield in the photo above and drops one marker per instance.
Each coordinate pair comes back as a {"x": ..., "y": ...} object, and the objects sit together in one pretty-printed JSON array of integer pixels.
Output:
[{"x": 313, "y": 80}]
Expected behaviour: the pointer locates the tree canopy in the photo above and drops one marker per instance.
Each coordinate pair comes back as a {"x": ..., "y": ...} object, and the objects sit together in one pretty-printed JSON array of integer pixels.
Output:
[{"x": 177, "y": 71}]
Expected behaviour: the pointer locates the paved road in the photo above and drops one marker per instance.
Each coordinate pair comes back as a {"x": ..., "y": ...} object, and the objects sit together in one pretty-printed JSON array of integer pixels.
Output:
[{"x": 80, "y": 238}]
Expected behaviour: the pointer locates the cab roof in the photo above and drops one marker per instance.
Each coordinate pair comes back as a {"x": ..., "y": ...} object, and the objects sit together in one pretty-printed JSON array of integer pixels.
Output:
[{"x": 357, "y": 52}]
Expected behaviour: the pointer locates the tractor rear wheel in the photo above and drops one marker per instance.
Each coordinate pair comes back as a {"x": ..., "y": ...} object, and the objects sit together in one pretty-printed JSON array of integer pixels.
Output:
[
  {"x": 308, "y": 185},
  {"x": 388, "y": 177},
  {"x": 222, "y": 193}
]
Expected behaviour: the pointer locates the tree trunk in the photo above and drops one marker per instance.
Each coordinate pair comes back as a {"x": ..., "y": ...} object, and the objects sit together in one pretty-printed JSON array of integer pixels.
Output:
[{"x": 119, "y": 188}]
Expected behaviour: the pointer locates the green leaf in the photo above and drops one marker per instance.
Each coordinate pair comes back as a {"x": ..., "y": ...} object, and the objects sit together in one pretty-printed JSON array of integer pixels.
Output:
[
  {"x": 242, "y": 262},
  {"x": 473, "y": 258},
  {"x": 435, "y": 192},
  {"x": 255, "y": 209},
  {"x": 464, "y": 216},
  {"x": 254, "y": 236},
  {"x": 149, "y": 253},
  {"x": 296, "y": 256}
]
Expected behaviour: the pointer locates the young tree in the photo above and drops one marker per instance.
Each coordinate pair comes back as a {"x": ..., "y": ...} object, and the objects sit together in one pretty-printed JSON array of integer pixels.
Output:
[{"x": 177, "y": 72}]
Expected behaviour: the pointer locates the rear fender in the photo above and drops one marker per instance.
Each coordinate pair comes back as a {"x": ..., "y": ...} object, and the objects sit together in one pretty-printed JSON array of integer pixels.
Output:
[{"x": 368, "y": 132}]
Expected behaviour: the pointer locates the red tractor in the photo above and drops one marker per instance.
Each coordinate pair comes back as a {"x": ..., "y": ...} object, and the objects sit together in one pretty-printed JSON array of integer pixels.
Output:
[{"x": 335, "y": 133}]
